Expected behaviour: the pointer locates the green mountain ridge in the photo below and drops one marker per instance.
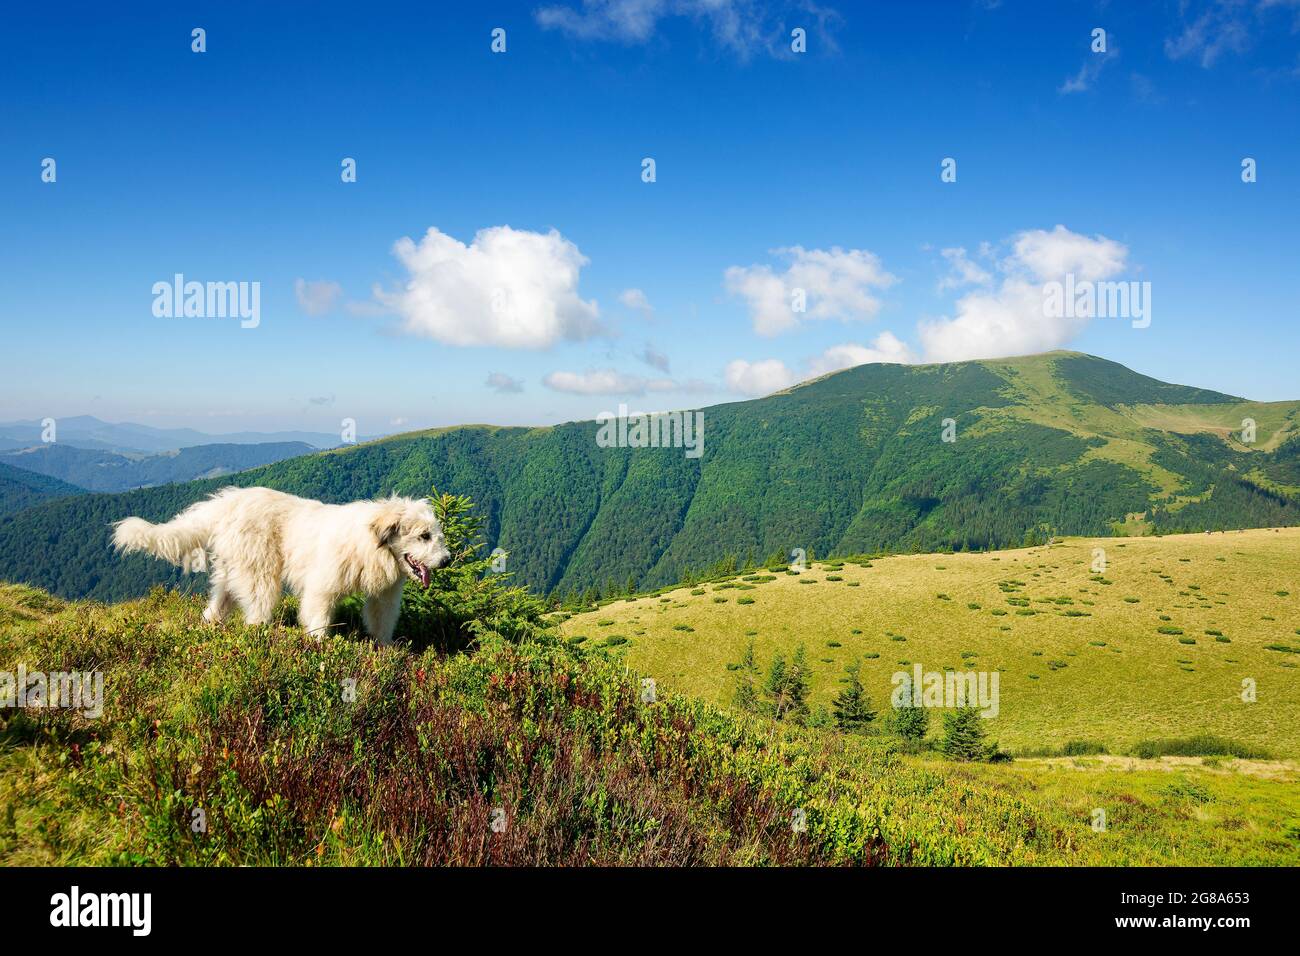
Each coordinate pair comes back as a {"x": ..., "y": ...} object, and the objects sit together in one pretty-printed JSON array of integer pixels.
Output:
[
  {"x": 855, "y": 461},
  {"x": 21, "y": 489}
]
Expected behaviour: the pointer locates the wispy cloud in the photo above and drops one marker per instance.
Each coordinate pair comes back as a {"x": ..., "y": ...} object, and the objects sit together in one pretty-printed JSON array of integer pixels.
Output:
[
  {"x": 653, "y": 357},
  {"x": 741, "y": 27},
  {"x": 1211, "y": 30},
  {"x": 1093, "y": 64},
  {"x": 963, "y": 271},
  {"x": 1216, "y": 29},
  {"x": 504, "y": 384},
  {"x": 318, "y": 297},
  {"x": 636, "y": 300},
  {"x": 608, "y": 381}
]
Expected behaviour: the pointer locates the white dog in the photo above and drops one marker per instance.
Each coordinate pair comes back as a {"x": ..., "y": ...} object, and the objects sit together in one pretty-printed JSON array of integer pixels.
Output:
[{"x": 254, "y": 540}]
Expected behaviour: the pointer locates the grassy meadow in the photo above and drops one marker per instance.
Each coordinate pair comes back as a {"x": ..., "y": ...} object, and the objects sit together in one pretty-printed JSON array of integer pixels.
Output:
[{"x": 1155, "y": 646}]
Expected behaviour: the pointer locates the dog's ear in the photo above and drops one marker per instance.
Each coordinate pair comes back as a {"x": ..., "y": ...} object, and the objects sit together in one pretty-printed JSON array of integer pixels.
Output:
[{"x": 385, "y": 524}]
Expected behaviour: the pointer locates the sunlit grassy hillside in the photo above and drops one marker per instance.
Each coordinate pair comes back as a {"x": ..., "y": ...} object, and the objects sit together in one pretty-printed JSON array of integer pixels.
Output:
[{"x": 1161, "y": 643}]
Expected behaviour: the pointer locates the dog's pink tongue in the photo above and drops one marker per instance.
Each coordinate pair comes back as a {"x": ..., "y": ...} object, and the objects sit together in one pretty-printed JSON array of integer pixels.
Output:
[{"x": 423, "y": 572}]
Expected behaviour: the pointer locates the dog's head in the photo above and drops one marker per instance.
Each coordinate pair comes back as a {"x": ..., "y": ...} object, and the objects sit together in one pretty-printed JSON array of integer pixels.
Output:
[{"x": 407, "y": 527}]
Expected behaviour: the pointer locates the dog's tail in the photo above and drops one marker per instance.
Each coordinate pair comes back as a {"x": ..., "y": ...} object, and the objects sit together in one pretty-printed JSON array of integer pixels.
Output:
[{"x": 183, "y": 541}]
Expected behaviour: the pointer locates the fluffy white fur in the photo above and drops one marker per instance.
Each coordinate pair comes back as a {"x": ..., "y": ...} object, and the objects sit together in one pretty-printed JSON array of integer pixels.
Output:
[{"x": 254, "y": 541}]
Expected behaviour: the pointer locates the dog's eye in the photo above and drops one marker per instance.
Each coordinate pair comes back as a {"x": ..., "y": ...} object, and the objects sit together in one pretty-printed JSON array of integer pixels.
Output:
[{"x": 427, "y": 536}]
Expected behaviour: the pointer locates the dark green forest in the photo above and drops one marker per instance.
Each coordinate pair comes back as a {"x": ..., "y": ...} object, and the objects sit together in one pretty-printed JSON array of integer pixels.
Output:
[
  {"x": 21, "y": 489},
  {"x": 850, "y": 463}
]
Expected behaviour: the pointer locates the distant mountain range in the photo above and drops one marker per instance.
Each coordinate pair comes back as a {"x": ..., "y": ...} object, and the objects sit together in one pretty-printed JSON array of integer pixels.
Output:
[
  {"x": 855, "y": 461},
  {"x": 85, "y": 431},
  {"x": 96, "y": 470}
]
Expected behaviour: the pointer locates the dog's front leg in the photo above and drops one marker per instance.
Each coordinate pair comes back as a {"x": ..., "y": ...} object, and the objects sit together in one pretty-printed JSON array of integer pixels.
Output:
[
  {"x": 381, "y": 612},
  {"x": 314, "y": 612}
]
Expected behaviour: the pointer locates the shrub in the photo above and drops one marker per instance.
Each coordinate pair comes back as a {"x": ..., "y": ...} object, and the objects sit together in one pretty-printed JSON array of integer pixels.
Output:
[
  {"x": 1199, "y": 745},
  {"x": 1082, "y": 748},
  {"x": 1071, "y": 748}
]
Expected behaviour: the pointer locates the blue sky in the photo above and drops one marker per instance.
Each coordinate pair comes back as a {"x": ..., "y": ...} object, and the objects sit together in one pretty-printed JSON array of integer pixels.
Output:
[{"x": 225, "y": 166}]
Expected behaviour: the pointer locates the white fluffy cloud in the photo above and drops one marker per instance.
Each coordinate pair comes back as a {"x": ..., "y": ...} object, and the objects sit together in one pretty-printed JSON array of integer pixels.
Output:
[
  {"x": 758, "y": 378},
  {"x": 1050, "y": 255},
  {"x": 886, "y": 348},
  {"x": 509, "y": 287},
  {"x": 1010, "y": 319},
  {"x": 835, "y": 284},
  {"x": 772, "y": 375},
  {"x": 1003, "y": 312},
  {"x": 316, "y": 298}
]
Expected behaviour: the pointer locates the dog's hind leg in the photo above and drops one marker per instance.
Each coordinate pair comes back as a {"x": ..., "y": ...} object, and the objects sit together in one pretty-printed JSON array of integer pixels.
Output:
[
  {"x": 220, "y": 600},
  {"x": 381, "y": 612},
  {"x": 258, "y": 599}
]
